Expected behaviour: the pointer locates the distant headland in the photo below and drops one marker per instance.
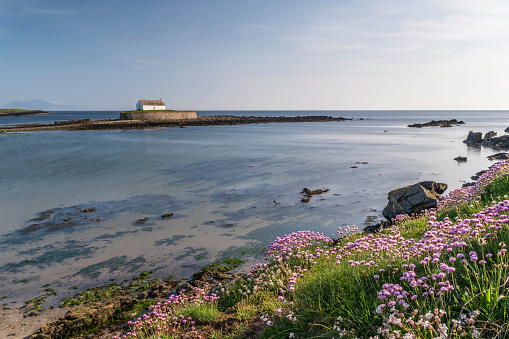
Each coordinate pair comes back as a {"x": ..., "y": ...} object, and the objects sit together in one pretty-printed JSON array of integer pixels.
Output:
[{"x": 15, "y": 112}]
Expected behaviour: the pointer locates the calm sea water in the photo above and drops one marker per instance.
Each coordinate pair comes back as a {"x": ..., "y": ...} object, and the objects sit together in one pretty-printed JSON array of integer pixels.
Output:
[{"x": 231, "y": 189}]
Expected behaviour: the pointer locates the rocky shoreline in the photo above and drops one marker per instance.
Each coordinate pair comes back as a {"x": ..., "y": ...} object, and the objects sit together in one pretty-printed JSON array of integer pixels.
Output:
[
  {"x": 20, "y": 112},
  {"x": 103, "y": 311},
  {"x": 116, "y": 124}
]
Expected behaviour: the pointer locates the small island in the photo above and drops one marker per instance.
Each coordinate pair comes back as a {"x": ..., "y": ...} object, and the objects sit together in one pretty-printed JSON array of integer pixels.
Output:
[
  {"x": 155, "y": 110},
  {"x": 16, "y": 112},
  {"x": 441, "y": 123}
]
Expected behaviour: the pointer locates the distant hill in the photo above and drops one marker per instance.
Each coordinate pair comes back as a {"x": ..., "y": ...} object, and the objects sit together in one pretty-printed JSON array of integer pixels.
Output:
[{"x": 48, "y": 106}]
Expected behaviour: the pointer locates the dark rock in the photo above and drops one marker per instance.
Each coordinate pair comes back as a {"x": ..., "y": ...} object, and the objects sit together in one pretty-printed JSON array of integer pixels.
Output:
[
  {"x": 507, "y": 129},
  {"x": 377, "y": 227},
  {"x": 499, "y": 156},
  {"x": 477, "y": 175},
  {"x": 468, "y": 184},
  {"x": 441, "y": 123},
  {"x": 167, "y": 215},
  {"x": 487, "y": 137},
  {"x": 501, "y": 142},
  {"x": 308, "y": 193},
  {"x": 413, "y": 199},
  {"x": 88, "y": 210},
  {"x": 437, "y": 187},
  {"x": 461, "y": 159},
  {"x": 473, "y": 138}
]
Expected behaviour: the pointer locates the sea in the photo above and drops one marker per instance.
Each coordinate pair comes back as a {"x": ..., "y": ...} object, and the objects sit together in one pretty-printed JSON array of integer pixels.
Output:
[{"x": 80, "y": 209}]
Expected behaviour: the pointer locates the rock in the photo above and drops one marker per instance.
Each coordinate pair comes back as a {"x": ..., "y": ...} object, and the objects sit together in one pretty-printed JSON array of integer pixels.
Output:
[
  {"x": 441, "y": 123},
  {"x": 167, "y": 215},
  {"x": 159, "y": 291},
  {"x": 490, "y": 139},
  {"x": 79, "y": 319},
  {"x": 487, "y": 137},
  {"x": 477, "y": 175},
  {"x": 473, "y": 138},
  {"x": 461, "y": 159},
  {"x": 308, "y": 193},
  {"x": 501, "y": 142},
  {"x": 507, "y": 129},
  {"x": 499, "y": 156},
  {"x": 377, "y": 227},
  {"x": 413, "y": 199}
]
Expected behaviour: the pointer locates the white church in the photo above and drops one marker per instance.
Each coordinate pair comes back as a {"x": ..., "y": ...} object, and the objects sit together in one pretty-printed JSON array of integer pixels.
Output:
[{"x": 150, "y": 105}]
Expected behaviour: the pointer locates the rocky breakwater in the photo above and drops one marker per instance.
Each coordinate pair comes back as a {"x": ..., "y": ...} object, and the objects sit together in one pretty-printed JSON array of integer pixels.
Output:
[
  {"x": 112, "y": 124},
  {"x": 490, "y": 139}
]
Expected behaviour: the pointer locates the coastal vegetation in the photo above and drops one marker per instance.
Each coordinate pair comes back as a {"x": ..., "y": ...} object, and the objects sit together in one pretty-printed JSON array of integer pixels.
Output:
[{"x": 440, "y": 274}]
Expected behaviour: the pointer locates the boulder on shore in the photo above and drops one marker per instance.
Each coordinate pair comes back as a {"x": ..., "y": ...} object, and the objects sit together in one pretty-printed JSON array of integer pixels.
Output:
[{"x": 413, "y": 199}]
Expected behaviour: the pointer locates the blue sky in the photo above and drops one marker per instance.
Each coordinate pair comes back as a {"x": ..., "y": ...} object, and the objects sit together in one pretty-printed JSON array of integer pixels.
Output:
[{"x": 257, "y": 54}]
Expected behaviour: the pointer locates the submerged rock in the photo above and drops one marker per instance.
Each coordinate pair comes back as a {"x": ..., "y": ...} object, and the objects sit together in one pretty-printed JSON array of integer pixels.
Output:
[
  {"x": 413, "y": 199},
  {"x": 461, "y": 159},
  {"x": 309, "y": 193}
]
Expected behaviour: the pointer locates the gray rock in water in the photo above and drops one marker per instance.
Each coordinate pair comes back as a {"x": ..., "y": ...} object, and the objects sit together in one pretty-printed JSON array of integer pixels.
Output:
[
  {"x": 499, "y": 156},
  {"x": 413, "y": 199},
  {"x": 473, "y": 138},
  {"x": 507, "y": 129},
  {"x": 501, "y": 142},
  {"x": 487, "y": 138},
  {"x": 460, "y": 159}
]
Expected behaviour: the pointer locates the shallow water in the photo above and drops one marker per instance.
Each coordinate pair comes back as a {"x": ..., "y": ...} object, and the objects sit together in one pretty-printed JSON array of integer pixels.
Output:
[{"x": 232, "y": 189}]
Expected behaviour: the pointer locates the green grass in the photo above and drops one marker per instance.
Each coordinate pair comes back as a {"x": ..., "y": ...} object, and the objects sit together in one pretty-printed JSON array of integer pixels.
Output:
[{"x": 204, "y": 314}]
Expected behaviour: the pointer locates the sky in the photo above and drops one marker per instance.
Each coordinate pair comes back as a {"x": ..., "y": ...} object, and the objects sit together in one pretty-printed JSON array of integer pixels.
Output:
[{"x": 257, "y": 54}]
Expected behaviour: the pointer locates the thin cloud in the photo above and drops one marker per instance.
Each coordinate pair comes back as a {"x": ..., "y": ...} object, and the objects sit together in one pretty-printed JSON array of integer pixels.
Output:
[
  {"x": 375, "y": 29},
  {"x": 144, "y": 62},
  {"x": 48, "y": 11}
]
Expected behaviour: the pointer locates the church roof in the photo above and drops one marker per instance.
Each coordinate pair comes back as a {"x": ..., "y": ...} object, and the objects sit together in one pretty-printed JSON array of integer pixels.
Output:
[{"x": 152, "y": 102}]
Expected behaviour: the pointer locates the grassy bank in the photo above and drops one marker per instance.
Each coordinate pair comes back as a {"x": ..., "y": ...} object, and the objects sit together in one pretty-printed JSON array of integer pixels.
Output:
[{"x": 442, "y": 274}]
